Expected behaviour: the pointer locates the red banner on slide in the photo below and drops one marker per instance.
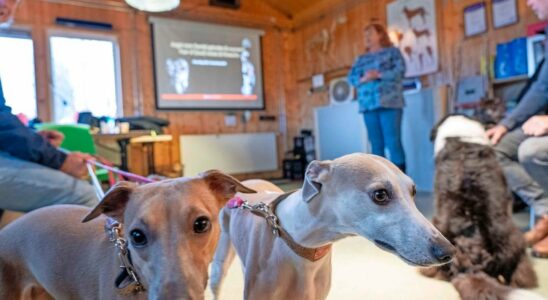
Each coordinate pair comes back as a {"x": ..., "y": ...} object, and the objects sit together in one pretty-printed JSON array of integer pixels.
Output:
[{"x": 211, "y": 97}]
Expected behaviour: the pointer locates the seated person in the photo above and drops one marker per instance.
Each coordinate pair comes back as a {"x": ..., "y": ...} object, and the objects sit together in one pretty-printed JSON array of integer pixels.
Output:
[
  {"x": 521, "y": 143},
  {"x": 523, "y": 153},
  {"x": 33, "y": 173}
]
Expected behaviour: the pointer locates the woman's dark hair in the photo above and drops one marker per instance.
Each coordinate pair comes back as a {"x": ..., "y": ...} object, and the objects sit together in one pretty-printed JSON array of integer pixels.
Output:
[{"x": 381, "y": 31}]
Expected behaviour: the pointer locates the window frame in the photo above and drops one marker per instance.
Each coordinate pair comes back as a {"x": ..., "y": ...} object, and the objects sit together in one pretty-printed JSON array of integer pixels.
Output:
[
  {"x": 26, "y": 32},
  {"x": 83, "y": 34}
]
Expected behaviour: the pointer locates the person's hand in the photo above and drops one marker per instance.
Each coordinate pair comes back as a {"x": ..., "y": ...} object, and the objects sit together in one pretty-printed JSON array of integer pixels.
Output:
[
  {"x": 536, "y": 126},
  {"x": 496, "y": 133},
  {"x": 75, "y": 164},
  {"x": 371, "y": 75},
  {"x": 55, "y": 138}
]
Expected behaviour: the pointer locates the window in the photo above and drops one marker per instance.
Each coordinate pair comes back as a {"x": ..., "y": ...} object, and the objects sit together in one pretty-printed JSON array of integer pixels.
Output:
[
  {"x": 17, "y": 72},
  {"x": 85, "y": 77}
]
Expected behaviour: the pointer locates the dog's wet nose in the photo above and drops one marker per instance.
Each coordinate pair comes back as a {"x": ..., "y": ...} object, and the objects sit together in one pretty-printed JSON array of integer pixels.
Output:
[{"x": 442, "y": 250}]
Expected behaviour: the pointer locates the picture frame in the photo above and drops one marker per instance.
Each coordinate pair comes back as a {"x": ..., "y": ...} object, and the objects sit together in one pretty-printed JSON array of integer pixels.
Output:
[
  {"x": 412, "y": 27},
  {"x": 504, "y": 13},
  {"x": 475, "y": 19}
]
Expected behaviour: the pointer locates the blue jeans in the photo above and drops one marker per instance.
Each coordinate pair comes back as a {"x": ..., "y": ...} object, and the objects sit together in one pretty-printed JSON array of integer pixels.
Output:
[
  {"x": 384, "y": 131},
  {"x": 25, "y": 186}
]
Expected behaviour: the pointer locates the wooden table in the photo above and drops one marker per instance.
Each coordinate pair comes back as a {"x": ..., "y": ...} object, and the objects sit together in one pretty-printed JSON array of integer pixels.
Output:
[
  {"x": 148, "y": 142},
  {"x": 123, "y": 140}
]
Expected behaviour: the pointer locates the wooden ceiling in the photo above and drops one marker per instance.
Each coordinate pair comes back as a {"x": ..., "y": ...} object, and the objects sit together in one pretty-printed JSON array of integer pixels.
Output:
[
  {"x": 302, "y": 12},
  {"x": 291, "y": 7}
]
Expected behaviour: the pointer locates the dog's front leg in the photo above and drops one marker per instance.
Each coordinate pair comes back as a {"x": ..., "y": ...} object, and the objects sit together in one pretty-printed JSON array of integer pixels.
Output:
[{"x": 224, "y": 255}]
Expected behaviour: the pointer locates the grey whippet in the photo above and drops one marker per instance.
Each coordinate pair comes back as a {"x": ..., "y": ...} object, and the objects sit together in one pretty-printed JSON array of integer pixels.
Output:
[{"x": 357, "y": 194}]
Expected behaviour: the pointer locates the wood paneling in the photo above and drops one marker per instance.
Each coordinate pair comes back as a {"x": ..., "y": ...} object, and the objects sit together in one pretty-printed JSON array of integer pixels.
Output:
[
  {"x": 329, "y": 36},
  {"x": 328, "y": 8},
  {"x": 133, "y": 34},
  {"x": 327, "y": 42},
  {"x": 251, "y": 14},
  {"x": 291, "y": 7},
  {"x": 301, "y": 38}
]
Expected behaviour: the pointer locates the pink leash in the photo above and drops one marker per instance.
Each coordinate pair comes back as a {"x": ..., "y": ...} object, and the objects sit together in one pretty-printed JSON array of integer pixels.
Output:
[
  {"x": 128, "y": 175},
  {"x": 121, "y": 174}
]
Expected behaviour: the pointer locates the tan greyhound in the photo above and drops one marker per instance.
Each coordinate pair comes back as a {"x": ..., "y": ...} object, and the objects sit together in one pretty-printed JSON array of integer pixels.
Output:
[
  {"x": 171, "y": 229},
  {"x": 357, "y": 194}
]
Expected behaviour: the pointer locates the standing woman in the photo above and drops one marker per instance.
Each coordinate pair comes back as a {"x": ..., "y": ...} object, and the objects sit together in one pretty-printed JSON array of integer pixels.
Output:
[{"x": 377, "y": 76}]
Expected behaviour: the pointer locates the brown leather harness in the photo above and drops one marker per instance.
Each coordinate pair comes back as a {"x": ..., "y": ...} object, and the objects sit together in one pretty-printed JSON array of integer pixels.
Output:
[{"x": 268, "y": 211}]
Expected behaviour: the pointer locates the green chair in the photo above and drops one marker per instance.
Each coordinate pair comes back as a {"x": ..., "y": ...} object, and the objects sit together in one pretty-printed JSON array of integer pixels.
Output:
[{"x": 77, "y": 138}]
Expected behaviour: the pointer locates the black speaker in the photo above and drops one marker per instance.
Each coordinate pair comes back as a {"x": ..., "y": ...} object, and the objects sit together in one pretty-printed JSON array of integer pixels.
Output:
[
  {"x": 293, "y": 169},
  {"x": 235, "y": 4}
]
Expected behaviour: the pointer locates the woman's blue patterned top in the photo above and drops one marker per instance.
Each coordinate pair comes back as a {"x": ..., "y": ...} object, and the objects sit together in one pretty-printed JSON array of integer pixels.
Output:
[{"x": 386, "y": 91}]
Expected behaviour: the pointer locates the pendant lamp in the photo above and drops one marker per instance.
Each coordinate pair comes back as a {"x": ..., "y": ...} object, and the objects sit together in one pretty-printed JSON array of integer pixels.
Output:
[{"x": 154, "y": 5}]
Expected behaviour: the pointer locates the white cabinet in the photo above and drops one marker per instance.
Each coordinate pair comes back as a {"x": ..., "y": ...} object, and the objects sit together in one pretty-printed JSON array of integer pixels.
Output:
[{"x": 340, "y": 130}]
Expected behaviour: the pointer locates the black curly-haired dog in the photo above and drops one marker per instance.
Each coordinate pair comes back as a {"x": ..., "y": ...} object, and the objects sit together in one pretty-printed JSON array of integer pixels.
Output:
[{"x": 473, "y": 211}]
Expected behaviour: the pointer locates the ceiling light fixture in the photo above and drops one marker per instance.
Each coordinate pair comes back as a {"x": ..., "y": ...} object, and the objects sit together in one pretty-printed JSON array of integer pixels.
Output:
[{"x": 154, "y": 5}]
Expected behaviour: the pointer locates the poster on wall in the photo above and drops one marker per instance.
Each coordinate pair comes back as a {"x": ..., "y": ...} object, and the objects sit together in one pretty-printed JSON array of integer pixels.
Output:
[
  {"x": 474, "y": 19},
  {"x": 412, "y": 28},
  {"x": 505, "y": 12}
]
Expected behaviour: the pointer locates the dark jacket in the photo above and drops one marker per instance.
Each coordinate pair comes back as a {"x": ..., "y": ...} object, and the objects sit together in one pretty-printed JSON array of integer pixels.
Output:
[
  {"x": 21, "y": 142},
  {"x": 533, "y": 102}
]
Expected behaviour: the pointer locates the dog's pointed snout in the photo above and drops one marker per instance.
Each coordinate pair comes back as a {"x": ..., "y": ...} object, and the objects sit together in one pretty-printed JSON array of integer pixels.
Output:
[{"x": 442, "y": 250}]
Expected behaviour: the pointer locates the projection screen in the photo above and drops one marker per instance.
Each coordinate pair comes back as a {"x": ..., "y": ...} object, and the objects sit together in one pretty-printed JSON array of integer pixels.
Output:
[{"x": 206, "y": 66}]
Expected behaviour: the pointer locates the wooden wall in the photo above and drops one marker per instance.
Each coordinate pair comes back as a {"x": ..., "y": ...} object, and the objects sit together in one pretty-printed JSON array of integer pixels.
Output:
[
  {"x": 133, "y": 33},
  {"x": 329, "y": 37},
  {"x": 327, "y": 42},
  {"x": 252, "y": 13},
  {"x": 324, "y": 38}
]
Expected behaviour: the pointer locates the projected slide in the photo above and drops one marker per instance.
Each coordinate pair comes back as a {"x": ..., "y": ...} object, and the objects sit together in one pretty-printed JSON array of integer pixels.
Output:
[{"x": 205, "y": 66}]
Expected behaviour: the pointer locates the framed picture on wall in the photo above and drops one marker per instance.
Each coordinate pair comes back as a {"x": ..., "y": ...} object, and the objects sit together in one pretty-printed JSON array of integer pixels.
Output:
[
  {"x": 505, "y": 12},
  {"x": 412, "y": 28},
  {"x": 475, "y": 19}
]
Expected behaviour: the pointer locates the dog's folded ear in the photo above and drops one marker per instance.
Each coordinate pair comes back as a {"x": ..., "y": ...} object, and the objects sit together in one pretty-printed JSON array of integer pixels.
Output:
[
  {"x": 316, "y": 174},
  {"x": 224, "y": 185},
  {"x": 114, "y": 203}
]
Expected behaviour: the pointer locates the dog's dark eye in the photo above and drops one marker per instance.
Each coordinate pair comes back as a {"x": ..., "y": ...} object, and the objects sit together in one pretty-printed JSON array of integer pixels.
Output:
[
  {"x": 414, "y": 191},
  {"x": 201, "y": 225},
  {"x": 138, "y": 238},
  {"x": 380, "y": 196}
]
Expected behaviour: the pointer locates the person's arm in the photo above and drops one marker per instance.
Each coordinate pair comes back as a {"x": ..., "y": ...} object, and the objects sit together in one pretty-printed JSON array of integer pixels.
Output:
[
  {"x": 397, "y": 72},
  {"x": 536, "y": 126},
  {"x": 534, "y": 101},
  {"x": 356, "y": 73},
  {"x": 21, "y": 142}
]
